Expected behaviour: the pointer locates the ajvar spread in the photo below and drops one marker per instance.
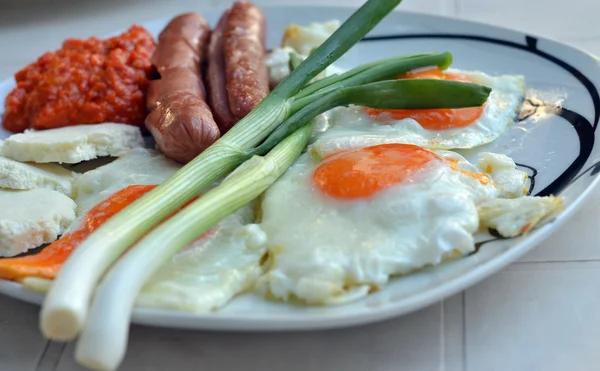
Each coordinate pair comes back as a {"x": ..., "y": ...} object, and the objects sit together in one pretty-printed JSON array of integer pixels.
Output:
[{"x": 86, "y": 82}]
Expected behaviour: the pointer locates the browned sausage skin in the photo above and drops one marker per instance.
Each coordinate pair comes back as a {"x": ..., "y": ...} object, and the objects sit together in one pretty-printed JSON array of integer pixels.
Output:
[
  {"x": 244, "y": 47},
  {"x": 216, "y": 81},
  {"x": 183, "y": 126},
  {"x": 180, "y": 120}
]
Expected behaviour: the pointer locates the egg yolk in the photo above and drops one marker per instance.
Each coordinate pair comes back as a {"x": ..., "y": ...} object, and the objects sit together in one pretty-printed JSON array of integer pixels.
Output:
[
  {"x": 363, "y": 172},
  {"x": 432, "y": 119}
]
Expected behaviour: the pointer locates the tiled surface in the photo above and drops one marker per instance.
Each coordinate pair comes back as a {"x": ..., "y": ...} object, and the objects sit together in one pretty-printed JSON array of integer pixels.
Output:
[
  {"x": 380, "y": 347},
  {"x": 21, "y": 345},
  {"x": 540, "y": 314},
  {"x": 535, "y": 317},
  {"x": 556, "y": 19}
]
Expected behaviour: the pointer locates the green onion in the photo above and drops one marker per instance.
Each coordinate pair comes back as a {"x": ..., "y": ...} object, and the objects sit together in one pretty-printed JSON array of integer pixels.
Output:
[
  {"x": 103, "y": 341},
  {"x": 65, "y": 307},
  {"x": 102, "y": 346},
  {"x": 295, "y": 61},
  {"x": 375, "y": 71},
  {"x": 391, "y": 94}
]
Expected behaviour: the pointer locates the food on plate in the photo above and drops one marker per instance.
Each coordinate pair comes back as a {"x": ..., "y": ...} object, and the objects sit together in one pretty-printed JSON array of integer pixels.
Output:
[
  {"x": 21, "y": 176},
  {"x": 72, "y": 144},
  {"x": 85, "y": 82},
  {"x": 223, "y": 262},
  {"x": 114, "y": 263},
  {"x": 140, "y": 166},
  {"x": 512, "y": 218},
  {"x": 224, "y": 156},
  {"x": 31, "y": 218},
  {"x": 237, "y": 75},
  {"x": 205, "y": 275},
  {"x": 303, "y": 39},
  {"x": 362, "y": 215},
  {"x": 180, "y": 120},
  {"x": 114, "y": 301},
  {"x": 431, "y": 128},
  {"x": 47, "y": 263}
]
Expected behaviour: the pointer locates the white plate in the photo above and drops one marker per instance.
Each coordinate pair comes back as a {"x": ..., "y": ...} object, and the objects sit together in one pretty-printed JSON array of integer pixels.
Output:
[{"x": 557, "y": 148}]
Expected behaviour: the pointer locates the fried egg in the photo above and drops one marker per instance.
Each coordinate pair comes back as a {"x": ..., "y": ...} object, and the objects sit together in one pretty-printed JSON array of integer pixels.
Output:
[
  {"x": 356, "y": 127},
  {"x": 341, "y": 227},
  {"x": 222, "y": 263},
  {"x": 138, "y": 166}
]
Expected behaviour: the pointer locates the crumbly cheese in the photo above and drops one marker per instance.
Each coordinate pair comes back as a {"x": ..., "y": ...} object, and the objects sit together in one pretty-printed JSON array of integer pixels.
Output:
[
  {"x": 139, "y": 166},
  {"x": 513, "y": 217},
  {"x": 21, "y": 176},
  {"x": 32, "y": 218},
  {"x": 73, "y": 144}
]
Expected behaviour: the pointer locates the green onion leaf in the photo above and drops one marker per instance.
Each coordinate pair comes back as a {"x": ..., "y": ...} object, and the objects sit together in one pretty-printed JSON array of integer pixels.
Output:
[{"x": 391, "y": 94}]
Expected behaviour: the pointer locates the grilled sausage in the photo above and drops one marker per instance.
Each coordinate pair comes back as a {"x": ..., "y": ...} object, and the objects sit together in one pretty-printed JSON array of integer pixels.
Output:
[
  {"x": 237, "y": 77},
  {"x": 244, "y": 48},
  {"x": 180, "y": 120},
  {"x": 215, "y": 78}
]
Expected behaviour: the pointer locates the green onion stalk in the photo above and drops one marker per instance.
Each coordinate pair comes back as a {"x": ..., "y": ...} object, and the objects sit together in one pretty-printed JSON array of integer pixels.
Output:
[
  {"x": 283, "y": 113},
  {"x": 103, "y": 341}
]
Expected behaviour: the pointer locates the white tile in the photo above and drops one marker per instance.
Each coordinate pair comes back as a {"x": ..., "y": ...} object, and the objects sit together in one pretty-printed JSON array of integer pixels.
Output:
[
  {"x": 21, "y": 344},
  {"x": 576, "y": 240},
  {"x": 535, "y": 317},
  {"x": 453, "y": 324},
  {"x": 554, "y": 18},
  {"x": 408, "y": 343}
]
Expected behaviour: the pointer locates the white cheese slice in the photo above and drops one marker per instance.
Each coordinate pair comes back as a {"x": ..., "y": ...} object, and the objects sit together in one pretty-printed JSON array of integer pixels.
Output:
[
  {"x": 73, "y": 144},
  {"x": 29, "y": 219},
  {"x": 139, "y": 166},
  {"x": 21, "y": 176}
]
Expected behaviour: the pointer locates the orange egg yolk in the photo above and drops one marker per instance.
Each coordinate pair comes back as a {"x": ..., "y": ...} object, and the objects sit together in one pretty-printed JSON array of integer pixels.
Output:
[
  {"x": 432, "y": 119},
  {"x": 363, "y": 172}
]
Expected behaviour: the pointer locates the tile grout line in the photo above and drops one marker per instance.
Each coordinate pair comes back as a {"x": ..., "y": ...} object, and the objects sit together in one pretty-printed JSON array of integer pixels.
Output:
[
  {"x": 456, "y": 7},
  {"x": 551, "y": 262},
  {"x": 38, "y": 366},
  {"x": 464, "y": 330},
  {"x": 442, "y": 337},
  {"x": 50, "y": 357}
]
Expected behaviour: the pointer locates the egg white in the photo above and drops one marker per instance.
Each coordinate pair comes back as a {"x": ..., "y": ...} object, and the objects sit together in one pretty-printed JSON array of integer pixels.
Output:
[
  {"x": 211, "y": 271},
  {"x": 351, "y": 127},
  {"x": 325, "y": 251},
  {"x": 138, "y": 166}
]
